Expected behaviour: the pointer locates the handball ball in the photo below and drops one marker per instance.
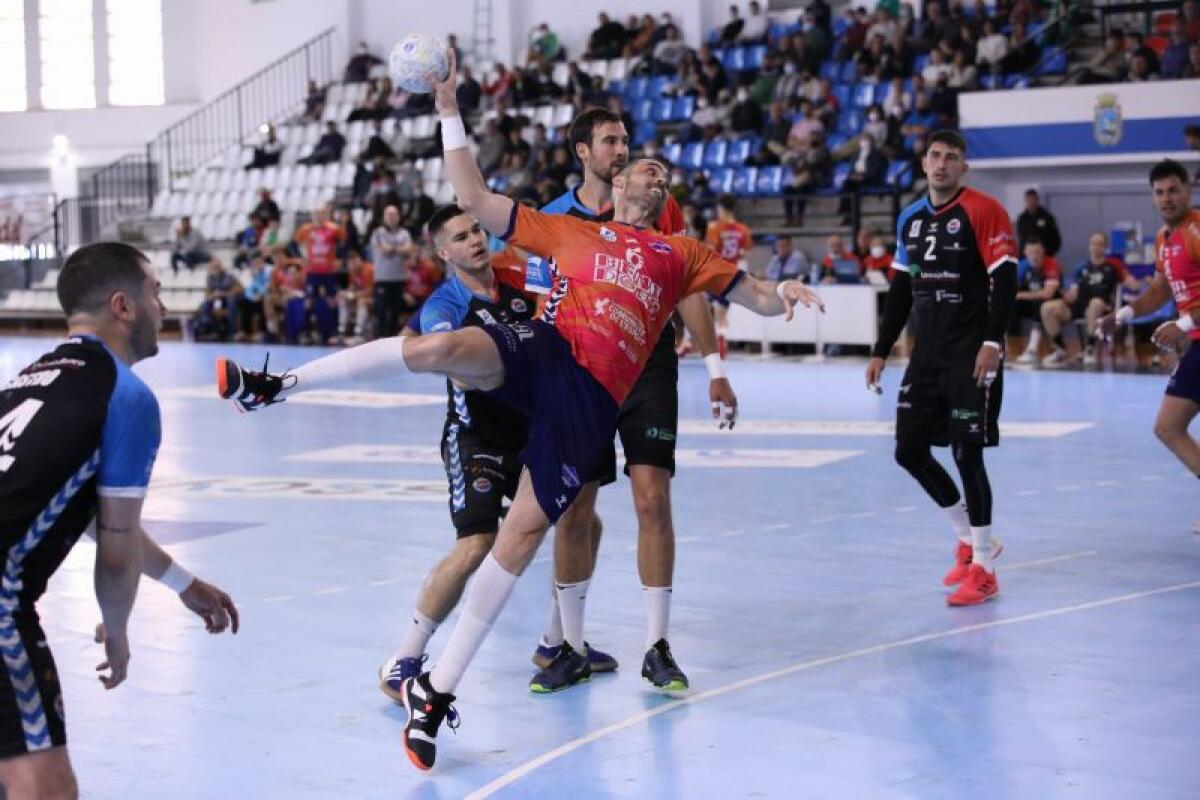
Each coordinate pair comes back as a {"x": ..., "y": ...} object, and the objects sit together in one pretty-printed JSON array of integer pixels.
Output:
[{"x": 416, "y": 57}]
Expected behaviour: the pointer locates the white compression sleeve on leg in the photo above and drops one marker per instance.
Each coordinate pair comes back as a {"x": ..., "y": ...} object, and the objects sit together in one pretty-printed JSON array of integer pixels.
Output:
[
  {"x": 373, "y": 361},
  {"x": 490, "y": 591}
]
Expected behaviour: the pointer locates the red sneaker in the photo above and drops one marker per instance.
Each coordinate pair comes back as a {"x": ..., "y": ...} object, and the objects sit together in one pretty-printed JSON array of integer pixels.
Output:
[
  {"x": 978, "y": 586},
  {"x": 962, "y": 560}
]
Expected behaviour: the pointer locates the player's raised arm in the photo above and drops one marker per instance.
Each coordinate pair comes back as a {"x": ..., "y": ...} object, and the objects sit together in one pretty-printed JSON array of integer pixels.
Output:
[
  {"x": 770, "y": 299},
  {"x": 494, "y": 211}
]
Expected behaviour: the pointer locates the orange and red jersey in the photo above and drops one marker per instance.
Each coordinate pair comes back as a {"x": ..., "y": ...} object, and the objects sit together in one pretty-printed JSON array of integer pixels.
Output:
[
  {"x": 320, "y": 243},
  {"x": 363, "y": 280},
  {"x": 1177, "y": 257},
  {"x": 616, "y": 286},
  {"x": 731, "y": 240}
]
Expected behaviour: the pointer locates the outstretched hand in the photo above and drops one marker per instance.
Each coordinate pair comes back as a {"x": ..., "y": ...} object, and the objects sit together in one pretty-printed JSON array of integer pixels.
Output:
[
  {"x": 793, "y": 292},
  {"x": 445, "y": 95}
]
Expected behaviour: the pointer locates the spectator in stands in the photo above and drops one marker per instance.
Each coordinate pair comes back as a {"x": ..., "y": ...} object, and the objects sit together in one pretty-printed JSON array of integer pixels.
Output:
[
  {"x": 354, "y": 301},
  {"x": 813, "y": 171},
  {"x": 754, "y": 31},
  {"x": 499, "y": 87},
  {"x": 932, "y": 28},
  {"x": 1135, "y": 45},
  {"x": 251, "y": 305},
  {"x": 377, "y": 146},
  {"x": 1093, "y": 295},
  {"x": 469, "y": 93},
  {"x": 319, "y": 240},
  {"x": 1039, "y": 279},
  {"x": 713, "y": 80},
  {"x": 922, "y": 120},
  {"x": 1175, "y": 56},
  {"x": 869, "y": 168},
  {"x": 314, "y": 102},
  {"x": 642, "y": 41},
  {"x": 351, "y": 240},
  {"x": 1192, "y": 70},
  {"x": 268, "y": 151},
  {"x": 775, "y": 132},
  {"x": 581, "y": 88},
  {"x": 215, "y": 318},
  {"x": 358, "y": 70},
  {"x": 392, "y": 251},
  {"x": 1189, "y": 12},
  {"x": 786, "y": 263},
  {"x": 1191, "y": 136},
  {"x": 855, "y": 37},
  {"x": 746, "y": 116},
  {"x": 267, "y": 208},
  {"x": 247, "y": 242},
  {"x": 991, "y": 48},
  {"x": 963, "y": 74},
  {"x": 189, "y": 248},
  {"x": 669, "y": 53},
  {"x": 492, "y": 145},
  {"x": 273, "y": 240},
  {"x": 875, "y": 128},
  {"x": 733, "y": 28},
  {"x": 384, "y": 187},
  {"x": 285, "y": 300},
  {"x": 817, "y": 45},
  {"x": 1023, "y": 51},
  {"x": 898, "y": 101},
  {"x": 787, "y": 86},
  {"x": 882, "y": 26},
  {"x": 1106, "y": 66},
  {"x": 607, "y": 40},
  {"x": 329, "y": 147},
  {"x": 839, "y": 265},
  {"x": 877, "y": 259},
  {"x": 1140, "y": 70},
  {"x": 1036, "y": 222},
  {"x": 423, "y": 277},
  {"x": 413, "y": 104},
  {"x": 936, "y": 68},
  {"x": 544, "y": 46}
]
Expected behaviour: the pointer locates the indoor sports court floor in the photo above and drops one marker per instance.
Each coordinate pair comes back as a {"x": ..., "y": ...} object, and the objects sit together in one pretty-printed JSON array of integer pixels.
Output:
[{"x": 809, "y": 611}]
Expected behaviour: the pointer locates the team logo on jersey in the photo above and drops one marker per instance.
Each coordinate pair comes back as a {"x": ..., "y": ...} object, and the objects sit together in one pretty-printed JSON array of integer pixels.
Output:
[
  {"x": 953, "y": 226},
  {"x": 661, "y": 247},
  {"x": 570, "y": 476},
  {"x": 600, "y": 307},
  {"x": 519, "y": 306},
  {"x": 915, "y": 228},
  {"x": 1108, "y": 124},
  {"x": 608, "y": 234},
  {"x": 486, "y": 316},
  {"x": 481, "y": 485}
]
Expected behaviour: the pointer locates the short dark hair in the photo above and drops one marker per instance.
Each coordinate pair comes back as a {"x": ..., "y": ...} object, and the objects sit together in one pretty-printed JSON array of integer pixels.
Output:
[
  {"x": 1168, "y": 168},
  {"x": 727, "y": 201},
  {"x": 949, "y": 138},
  {"x": 94, "y": 272},
  {"x": 584, "y": 125},
  {"x": 1034, "y": 239},
  {"x": 1191, "y": 130},
  {"x": 1032, "y": 191},
  {"x": 442, "y": 216}
]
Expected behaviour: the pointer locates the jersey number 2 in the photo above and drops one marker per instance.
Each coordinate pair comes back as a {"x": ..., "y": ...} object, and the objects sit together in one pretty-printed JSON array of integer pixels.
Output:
[
  {"x": 12, "y": 425},
  {"x": 931, "y": 241}
]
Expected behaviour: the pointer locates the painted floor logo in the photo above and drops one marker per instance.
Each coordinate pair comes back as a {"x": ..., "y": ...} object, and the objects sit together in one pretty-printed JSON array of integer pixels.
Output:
[{"x": 302, "y": 488}]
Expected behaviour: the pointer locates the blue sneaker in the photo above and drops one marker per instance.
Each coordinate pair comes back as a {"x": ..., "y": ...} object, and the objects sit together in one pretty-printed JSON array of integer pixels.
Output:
[
  {"x": 396, "y": 671},
  {"x": 599, "y": 661},
  {"x": 567, "y": 669},
  {"x": 660, "y": 670}
]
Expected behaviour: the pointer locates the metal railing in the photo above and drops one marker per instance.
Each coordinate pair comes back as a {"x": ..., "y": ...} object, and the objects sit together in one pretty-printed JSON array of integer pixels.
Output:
[{"x": 273, "y": 92}]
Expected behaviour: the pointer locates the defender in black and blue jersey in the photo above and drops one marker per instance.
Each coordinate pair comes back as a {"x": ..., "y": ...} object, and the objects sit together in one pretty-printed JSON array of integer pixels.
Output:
[{"x": 78, "y": 437}]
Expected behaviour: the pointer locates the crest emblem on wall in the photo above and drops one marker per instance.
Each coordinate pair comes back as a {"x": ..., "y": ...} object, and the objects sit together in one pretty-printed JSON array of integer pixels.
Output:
[{"x": 1108, "y": 124}]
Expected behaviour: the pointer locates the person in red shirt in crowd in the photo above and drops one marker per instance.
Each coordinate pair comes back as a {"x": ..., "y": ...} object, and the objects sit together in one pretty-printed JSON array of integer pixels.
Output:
[
  {"x": 877, "y": 258},
  {"x": 1038, "y": 280},
  {"x": 732, "y": 240},
  {"x": 836, "y": 264},
  {"x": 319, "y": 240},
  {"x": 356, "y": 297},
  {"x": 286, "y": 299},
  {"x": 425, "y": 276}
]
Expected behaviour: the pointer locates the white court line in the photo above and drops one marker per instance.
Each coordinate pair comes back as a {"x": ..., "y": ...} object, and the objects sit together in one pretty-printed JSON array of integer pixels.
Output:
[
  {"x": 822, "y": 520},
  {"x": 733, "y": 533},
  {"x": 279, "y": 598},
  {"x": 1028, "y": 492},
  {"x": 1071, "y": 487},
  {"x": 383, "y": 582},
  {"x": 905, "y": 509},
  {"x": 1106, "y": 483},
  {"x": 687, "y": 539},
  {"x": 864, "y": 514},
  {"x": 331, "y": 590},
  {"x": 1152, "y": 477},
  {"x": 521, "y": 771},
  {"x": 1051, "y": 560},
  {"x": 777, "y": 527}
]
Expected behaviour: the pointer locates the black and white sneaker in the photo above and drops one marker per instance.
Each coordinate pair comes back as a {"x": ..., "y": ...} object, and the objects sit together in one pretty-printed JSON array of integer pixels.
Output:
[
  {"x": 426, "y": 709},
  {"x": 660, "y": 670},
  {"x": 248, "y": 389}
]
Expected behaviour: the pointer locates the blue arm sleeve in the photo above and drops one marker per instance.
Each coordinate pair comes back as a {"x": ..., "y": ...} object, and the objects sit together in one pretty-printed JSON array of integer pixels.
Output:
[{"x": 130, "y": 440}]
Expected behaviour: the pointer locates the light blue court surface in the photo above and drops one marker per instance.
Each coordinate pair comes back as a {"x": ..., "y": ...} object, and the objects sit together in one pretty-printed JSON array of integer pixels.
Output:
[{"x": 809, "y": 611}]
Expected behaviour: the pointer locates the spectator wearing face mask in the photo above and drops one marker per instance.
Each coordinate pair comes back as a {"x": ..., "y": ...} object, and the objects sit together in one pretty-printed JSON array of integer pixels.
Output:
[
  {"x": 746, "y": 115},
  {"x": 877, "y": 258}
]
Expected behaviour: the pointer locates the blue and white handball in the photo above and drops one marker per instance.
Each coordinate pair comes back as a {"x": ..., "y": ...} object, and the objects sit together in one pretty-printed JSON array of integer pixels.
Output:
[{"x": 414, "y": 59}]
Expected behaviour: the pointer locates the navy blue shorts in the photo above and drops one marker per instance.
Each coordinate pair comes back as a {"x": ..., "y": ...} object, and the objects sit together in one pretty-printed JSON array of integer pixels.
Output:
[
  {"x": 572, "y": 418},
  {"x": 319, "y": 283},
  {"x": 1185, "y": 380}
]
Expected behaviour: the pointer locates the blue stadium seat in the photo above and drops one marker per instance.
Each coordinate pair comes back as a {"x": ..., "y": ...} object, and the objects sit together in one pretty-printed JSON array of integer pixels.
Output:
[
  {"x": 663, "y": 109},
  {"x": 740, "y": 150},
  {"x": 616, "y": 87},
  {"x": 842, "y": 93},
  {"x": 989, "y": 80},
  {"x": 864, "y": 94},
  {"x": 714, "y": 153},
  {"x": 836, "y": 140},
  {"x": 755, "y": 56},
  {"x": 644, "y": 132},
  {"x": 685, "y": 107},
  {"x": 881, "y": 90},
  {"x": 831, "y": 71},
  {"x": 900, "y": 175},
  {"x": 721, "y": 180},
  {"x": 642, "y": 110},
  {"x": 744, "y": 180},
  {"x": 850, "y": 121},
  {"x": 693, "y": 155},
  {"x": 637, "y": 87},
  {"x": 849, "y": 73},
  {"x": 919, "y": 63},
  {"x": 840, "y": 173},
  {"x": 673, "y": 152},
  {"x": 1054, "y": 62},
  {"x": 1016, "y": 82},
  {"x": 769, "y": 182},
  {"x": 657, "y": 84},
  {"x": 840, "y": 26},
  {"x": 735, "y": 59}
]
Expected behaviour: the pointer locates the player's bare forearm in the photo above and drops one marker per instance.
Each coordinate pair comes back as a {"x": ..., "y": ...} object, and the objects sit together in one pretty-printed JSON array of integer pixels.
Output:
[
  {"x": 1156, "y": 294},
  {"x": 697, "y": 317},
  {"x": 770, "y": 299}
]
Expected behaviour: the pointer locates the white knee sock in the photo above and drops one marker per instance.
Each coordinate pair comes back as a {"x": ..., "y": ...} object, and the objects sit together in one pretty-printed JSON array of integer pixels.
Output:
[
  {"x": 416, "y": 636},
  {"x": 571, "y": 600},
  {"x": 488, "y": 594},
  {"x": 959, "y": 521},
  {"x": 373, "y": 361},
  {"x": 1035, "y": 340},
  {"x": 553, "y": 637},
  {"x": 981, "y": 541},
  {"x": 658, "y": 613}
]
